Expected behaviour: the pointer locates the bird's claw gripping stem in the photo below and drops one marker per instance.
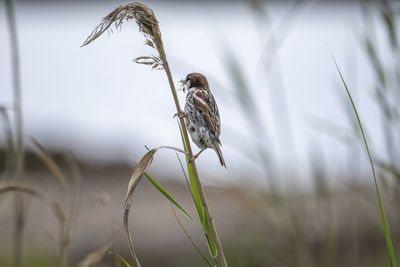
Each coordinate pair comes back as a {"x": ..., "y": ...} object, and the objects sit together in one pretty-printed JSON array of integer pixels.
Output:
[
  {"x": 181, "y": 114},
  {"x": 195, "y": 156}
]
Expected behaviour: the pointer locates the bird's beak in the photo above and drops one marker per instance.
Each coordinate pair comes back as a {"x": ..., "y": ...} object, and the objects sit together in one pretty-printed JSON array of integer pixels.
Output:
[{"x": 183, "y": 81}]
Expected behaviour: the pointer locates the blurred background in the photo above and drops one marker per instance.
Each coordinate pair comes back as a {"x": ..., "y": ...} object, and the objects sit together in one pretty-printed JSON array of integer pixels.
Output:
[{"x": 298, "y": 188}]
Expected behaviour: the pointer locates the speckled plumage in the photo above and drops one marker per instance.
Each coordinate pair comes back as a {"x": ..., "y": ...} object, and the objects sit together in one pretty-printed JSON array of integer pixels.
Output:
[{"x": 202, "y": 116}]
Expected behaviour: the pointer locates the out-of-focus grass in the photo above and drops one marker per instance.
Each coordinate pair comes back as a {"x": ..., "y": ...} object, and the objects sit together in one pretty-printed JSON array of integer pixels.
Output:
[
  {"x": 338, "y": 229},
  {"x": 386, "y": 69},
  {"x": 384, "y": 98}
]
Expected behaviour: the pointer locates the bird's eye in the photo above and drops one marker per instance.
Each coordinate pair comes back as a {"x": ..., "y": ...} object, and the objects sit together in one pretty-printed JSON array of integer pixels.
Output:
[{"x": 188, "y": 78}]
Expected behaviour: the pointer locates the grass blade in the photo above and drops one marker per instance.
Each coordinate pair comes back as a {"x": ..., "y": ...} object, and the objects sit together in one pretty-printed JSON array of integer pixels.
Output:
[
  {"x": 210, "y": 240},
  {"x": 142, "y": 166},
  {"x": 191, "y": 239},
  {"x": 183, "y": 171},
  {"x": 76, "y": 198},
  {"x": 122, "y": 259},
  {"x": 382, "y": 211},
  {"x": 170, "y": 198},
  {"x": 140, "y": 170},
  {"x": 199, "y": 205},
  {"x": 193, "y": 185}
]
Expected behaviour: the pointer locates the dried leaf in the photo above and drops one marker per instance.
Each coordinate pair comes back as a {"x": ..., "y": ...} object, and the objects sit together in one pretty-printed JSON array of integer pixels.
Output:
[
  {"x": 133, "y": 182},
  {"x": 141, "y": 167}
]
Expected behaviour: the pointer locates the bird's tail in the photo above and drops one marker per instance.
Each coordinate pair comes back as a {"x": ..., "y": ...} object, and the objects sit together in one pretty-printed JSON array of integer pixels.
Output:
[{"x": 220, "y": 156}]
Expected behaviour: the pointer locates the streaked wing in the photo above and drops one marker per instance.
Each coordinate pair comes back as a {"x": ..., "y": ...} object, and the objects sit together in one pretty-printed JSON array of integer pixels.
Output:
[{"x": 202, "y": 102}]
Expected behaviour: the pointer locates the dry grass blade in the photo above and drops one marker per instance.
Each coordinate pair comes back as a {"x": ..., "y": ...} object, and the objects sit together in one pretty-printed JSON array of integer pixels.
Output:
[
  {"x": 133, "y": 182},
  {"x": 142, "y": 166},
  {"x": 50, "y": 164},
  {"x": 96, "y": 256},
  {"x": 55, "y": 207},
  {"x": 74, "y": 213}
]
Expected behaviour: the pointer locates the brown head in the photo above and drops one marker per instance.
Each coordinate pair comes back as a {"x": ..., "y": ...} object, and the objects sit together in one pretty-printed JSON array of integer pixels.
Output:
[{"x": 196, "y": 80}]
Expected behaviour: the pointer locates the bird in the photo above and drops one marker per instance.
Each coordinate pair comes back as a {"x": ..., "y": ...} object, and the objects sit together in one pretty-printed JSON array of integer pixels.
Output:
[{"x": 201, "y": 115}]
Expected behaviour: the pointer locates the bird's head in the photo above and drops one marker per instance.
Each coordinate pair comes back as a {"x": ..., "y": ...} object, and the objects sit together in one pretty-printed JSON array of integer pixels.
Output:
[{"x": 196, "y": 80}]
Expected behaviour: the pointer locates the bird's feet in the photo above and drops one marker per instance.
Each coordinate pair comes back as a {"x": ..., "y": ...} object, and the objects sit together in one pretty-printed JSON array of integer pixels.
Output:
[
  {"x": 181, "y": 114},
  {"x": 191, "y": 160},
  {"x": 195, "y": 156}
]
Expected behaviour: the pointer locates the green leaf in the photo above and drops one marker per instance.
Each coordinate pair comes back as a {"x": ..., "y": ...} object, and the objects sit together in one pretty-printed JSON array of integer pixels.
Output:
[
  {"x": 382, "y": 211},
  {"x": 205, "y": 226},
  {"x": 122, "y": 259},
  {"x": 183, "y": 171},
  {"x": 191, "y": 239},
  {"x": 210, "y": 240},
  {"x": 170, "y": 198},
  {"x": 193, "y": 185},
  {"x": 199, "y": 205}
]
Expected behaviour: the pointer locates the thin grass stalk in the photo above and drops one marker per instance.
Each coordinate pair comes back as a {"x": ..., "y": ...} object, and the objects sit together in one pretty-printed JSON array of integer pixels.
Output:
[
  {"x": 16, "y": 81},
  {"x": 19, "y": 173},
  {"x": 71, "y": 202},
  {"x": 65, "y": 192},
  {"x": 105, "y": 199},
  {"x": 77, "y": 178},
  {"x": 9, "y": 155},
  {"x": 388, "y": 237},
  {"x": 190, "y": 238}
]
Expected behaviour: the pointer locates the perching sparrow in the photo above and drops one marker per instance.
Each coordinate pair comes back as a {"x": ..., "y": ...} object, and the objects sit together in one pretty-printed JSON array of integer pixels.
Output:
[{"x": 201, "y": 115}]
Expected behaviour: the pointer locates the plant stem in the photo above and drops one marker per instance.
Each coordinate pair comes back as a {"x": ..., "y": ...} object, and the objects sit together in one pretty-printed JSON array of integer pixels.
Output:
[
  {"x": 207, "y": 213},
  {"x": 19, "y": 173}
]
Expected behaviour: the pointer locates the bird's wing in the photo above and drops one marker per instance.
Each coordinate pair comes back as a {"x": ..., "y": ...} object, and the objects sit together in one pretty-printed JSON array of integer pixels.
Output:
[{"x": 203, "y": 102}]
